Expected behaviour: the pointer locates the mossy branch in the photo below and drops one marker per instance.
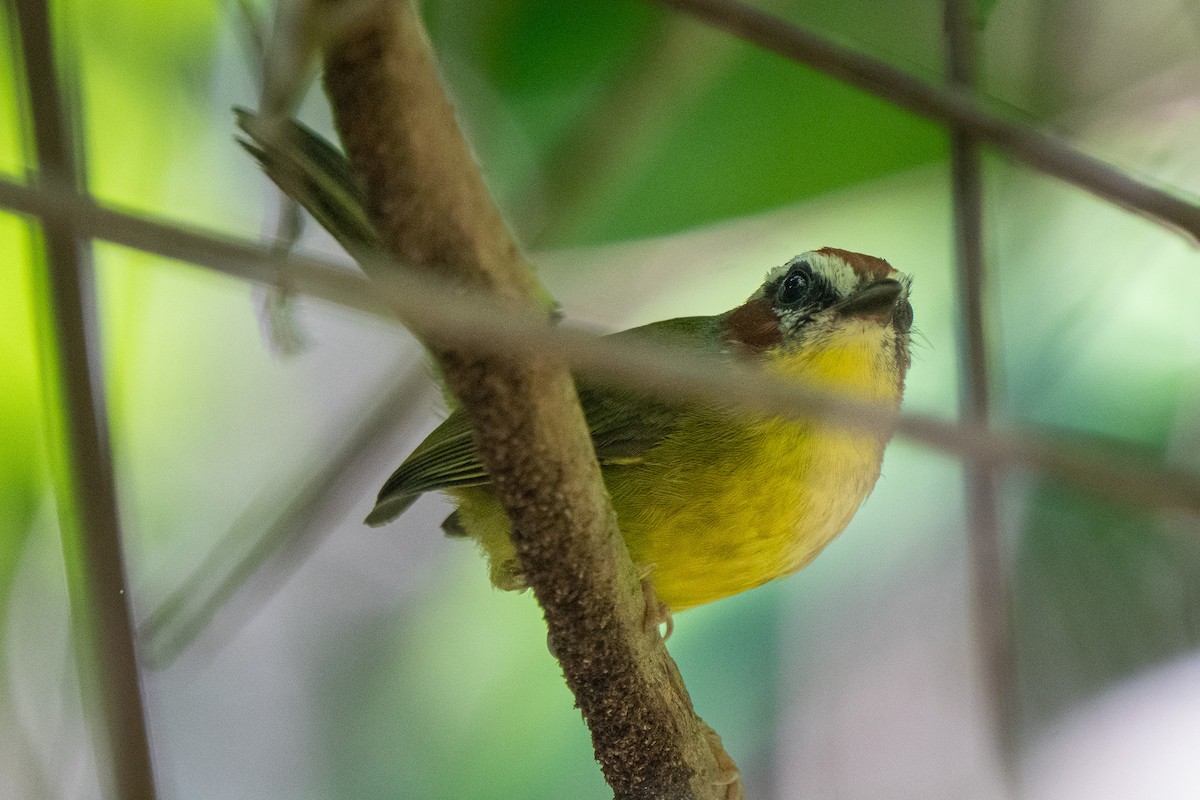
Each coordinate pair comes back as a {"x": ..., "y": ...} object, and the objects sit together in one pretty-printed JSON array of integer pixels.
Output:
[{"x": 428, "y": 200}]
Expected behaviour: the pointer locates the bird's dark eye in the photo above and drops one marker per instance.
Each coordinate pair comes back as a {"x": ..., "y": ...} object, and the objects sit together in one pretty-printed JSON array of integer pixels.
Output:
[{"x": 795, "y": 285}]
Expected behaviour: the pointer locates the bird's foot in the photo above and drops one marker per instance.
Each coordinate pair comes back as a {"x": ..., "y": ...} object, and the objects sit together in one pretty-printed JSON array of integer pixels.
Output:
[
  {"x": 507, "y": 576},
  {"x": 731, "y": 776},
  {"x": 657, "y": 613}
]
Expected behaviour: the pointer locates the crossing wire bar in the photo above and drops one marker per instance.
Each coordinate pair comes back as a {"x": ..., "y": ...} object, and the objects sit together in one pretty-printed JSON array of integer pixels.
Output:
[
  {"x": 89, "y": 519},
  {"x": 436, "y": 307},
  {"x": 993, "y": 628}
]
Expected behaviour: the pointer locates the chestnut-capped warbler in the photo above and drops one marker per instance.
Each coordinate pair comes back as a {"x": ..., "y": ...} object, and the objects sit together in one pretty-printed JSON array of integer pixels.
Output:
[
  {"x": 713, "y": 501},
  {"x": 710, "y": 501}
]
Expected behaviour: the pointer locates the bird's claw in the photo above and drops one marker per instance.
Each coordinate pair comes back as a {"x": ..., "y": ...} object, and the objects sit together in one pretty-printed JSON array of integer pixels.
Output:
[
  {"x": 657, "y": 612},
  {"x": 731, "y": 776}
]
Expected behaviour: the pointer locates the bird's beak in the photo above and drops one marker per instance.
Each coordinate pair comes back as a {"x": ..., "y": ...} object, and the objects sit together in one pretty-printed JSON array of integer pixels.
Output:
[{"x": 876, "y": 301}]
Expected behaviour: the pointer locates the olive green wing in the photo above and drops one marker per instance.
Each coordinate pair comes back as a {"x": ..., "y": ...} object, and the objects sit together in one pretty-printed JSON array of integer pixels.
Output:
[
  {"x": 624, "y": 426},
  {"x": 445, "y": 460}
]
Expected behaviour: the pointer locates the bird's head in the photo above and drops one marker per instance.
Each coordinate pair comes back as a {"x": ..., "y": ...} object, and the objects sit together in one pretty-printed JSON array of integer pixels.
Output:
[{"x": 833, "y": 316}]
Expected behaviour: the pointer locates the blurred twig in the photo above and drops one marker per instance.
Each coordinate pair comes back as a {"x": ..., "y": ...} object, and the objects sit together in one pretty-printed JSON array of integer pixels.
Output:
[
  {"x": 253, "y": 31},
  {"x": 263, "y": 57},
  {"x": 89, "y": 520},
  {"x": 990, "y": 579},
  {"x": 436, "y": 307},
  {"x": 319, "y": 278},
  {"x": 280, "y": 535},
  {"x": 952, "y": 106},
  {"x": 288, "y": 58}
]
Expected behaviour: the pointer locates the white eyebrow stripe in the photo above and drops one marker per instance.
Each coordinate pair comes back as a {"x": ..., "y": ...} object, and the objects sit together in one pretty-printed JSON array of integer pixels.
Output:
[
  {"x": 834, "y": 270},
  {"x": 774, "y": 273}
]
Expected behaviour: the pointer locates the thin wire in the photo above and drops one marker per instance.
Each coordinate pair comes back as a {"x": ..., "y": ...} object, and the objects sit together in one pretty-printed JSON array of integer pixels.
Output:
[
  {"x": 993, "y": 627},
  {"x": 90, "y": 522},
  {"x": 433, "y": 306},
  {"x": 326, "y": 280}
]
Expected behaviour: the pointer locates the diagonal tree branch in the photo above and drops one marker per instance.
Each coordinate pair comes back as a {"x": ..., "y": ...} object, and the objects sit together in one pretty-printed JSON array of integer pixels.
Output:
[
  {"x": 951, "y": 105},
  {"x": 433, "y": 211}
]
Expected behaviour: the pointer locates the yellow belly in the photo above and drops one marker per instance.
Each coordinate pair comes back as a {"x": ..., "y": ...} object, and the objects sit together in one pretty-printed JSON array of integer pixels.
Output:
[
  {"x": 762, "y": 509},
  {"x": 725, "y": 503}
]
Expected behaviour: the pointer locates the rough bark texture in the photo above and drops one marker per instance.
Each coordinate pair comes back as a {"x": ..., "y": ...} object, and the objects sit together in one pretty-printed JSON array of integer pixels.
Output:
[{"x": 433, "y": 211}]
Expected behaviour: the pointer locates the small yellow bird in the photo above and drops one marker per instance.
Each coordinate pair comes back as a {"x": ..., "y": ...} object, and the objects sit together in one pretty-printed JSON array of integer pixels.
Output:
[{"x": 712, "y": 501}]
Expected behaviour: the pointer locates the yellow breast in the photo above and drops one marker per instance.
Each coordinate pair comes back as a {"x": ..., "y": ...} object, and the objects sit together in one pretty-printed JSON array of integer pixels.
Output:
[{"x": 727, "y": 503}]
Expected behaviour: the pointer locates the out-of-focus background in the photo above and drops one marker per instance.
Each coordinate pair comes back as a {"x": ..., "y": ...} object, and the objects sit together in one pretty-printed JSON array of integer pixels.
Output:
[{"x": 654, "y": 168}]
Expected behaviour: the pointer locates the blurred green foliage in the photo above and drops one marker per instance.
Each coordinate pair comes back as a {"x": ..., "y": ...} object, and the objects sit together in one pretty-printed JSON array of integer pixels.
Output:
[
  {"x": 458, "y": 698},
  {"x": 764, "y": 134},
  {"x": 1099, "y": 341},
  {"x": 1102, "y": 592},
  {"x": 454, "y": 694},
  {"x": 755, "y": 132},
  {"x": 143, "y": 74},
  {"x": 12, "y": 118},
  {"x": 22, "y": 462}
]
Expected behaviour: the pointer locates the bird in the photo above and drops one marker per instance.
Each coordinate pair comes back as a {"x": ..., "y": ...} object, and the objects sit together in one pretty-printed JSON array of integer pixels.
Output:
[{"x": 713, "y": 501}]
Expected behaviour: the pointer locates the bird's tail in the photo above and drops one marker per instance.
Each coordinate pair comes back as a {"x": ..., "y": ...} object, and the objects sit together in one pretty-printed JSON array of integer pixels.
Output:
[{"x": 310, "y": 170}]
